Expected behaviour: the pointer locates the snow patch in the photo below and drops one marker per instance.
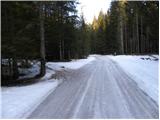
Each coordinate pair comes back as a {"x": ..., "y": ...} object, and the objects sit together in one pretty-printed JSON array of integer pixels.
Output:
[
  {"x": 19, "y": 101},
  {"x": 74, "y": 64},
  {"x": 143, "y": 71}
]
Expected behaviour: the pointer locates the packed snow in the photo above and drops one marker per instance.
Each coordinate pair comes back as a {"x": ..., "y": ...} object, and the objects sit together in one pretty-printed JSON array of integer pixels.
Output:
[
  {"x": 20, "y": 101},
  {"x": 142, "y": 69},
  {"x": 101, "y": 89},
  {"x": 74, "y": 64}
]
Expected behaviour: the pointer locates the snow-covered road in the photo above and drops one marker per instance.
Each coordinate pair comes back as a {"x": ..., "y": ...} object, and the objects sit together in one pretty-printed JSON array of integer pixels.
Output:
[{"x": 100, "y": 89}]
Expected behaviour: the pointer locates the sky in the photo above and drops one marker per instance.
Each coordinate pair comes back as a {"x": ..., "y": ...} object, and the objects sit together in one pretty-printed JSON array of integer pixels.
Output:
[{"x": 92, "y": 8}]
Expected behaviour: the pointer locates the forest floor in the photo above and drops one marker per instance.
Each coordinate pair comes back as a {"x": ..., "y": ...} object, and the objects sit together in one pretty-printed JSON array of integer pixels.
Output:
[{"x": 97, "y": 87}]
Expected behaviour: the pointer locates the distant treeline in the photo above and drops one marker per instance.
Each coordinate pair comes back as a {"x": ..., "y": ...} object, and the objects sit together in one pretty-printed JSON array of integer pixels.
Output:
[{"x": 129, "y": 27}]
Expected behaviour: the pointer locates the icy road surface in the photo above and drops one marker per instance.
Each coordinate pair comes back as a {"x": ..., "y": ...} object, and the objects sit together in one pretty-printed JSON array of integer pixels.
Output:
[{"x": 100, "y": 89}]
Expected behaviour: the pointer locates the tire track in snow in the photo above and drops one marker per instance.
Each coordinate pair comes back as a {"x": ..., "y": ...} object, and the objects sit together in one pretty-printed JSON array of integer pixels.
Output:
[
  {"x": 83, "y": 95},
  {"x": 98, "y": 90}
]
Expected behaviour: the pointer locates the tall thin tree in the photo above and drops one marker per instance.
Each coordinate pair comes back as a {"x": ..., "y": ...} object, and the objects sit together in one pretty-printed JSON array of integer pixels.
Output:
[{"x": 42, "y": 47}]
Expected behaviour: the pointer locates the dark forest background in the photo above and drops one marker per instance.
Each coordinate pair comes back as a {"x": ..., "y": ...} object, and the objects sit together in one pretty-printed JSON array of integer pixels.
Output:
[{"x": 52, "y": 31}]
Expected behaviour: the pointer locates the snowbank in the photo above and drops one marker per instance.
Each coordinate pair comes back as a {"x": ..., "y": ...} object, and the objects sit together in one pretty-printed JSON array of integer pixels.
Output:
[
  {"x": 75, "y": 64},
  {"x": 19, "y": 102},
  {"x": 144, "y": 70}
]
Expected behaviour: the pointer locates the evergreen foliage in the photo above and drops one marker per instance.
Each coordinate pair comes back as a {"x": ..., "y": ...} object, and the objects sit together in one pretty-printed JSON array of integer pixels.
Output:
[{"x": 52, "y": 30}]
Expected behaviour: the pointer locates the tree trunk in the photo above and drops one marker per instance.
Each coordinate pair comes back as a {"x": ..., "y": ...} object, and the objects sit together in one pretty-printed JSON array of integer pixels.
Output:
[
  {"x": 62, "y": 38},
  {"x": 60, "y": 34},
  {"x": 126, "y": 39},
  {"x": 63, "y": 49},
  {"x": 121, "y": 35},
  {"x": 137, "y": 34},
  {"x": 147, "y": 40},
  {"x": 142, "y": 44},
  {"x": 26, "y": 63},
  {"x": 15, "y": 72},
  {"x": 10, "y": 69},
  {"x": 133, "y": 39},
  {"x": 60, "y": 48},
  {"x": 42, "y": 47}
]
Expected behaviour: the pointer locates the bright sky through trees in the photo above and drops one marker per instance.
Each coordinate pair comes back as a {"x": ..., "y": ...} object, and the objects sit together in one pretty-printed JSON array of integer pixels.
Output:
[{"x": 92, "y": 8}]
